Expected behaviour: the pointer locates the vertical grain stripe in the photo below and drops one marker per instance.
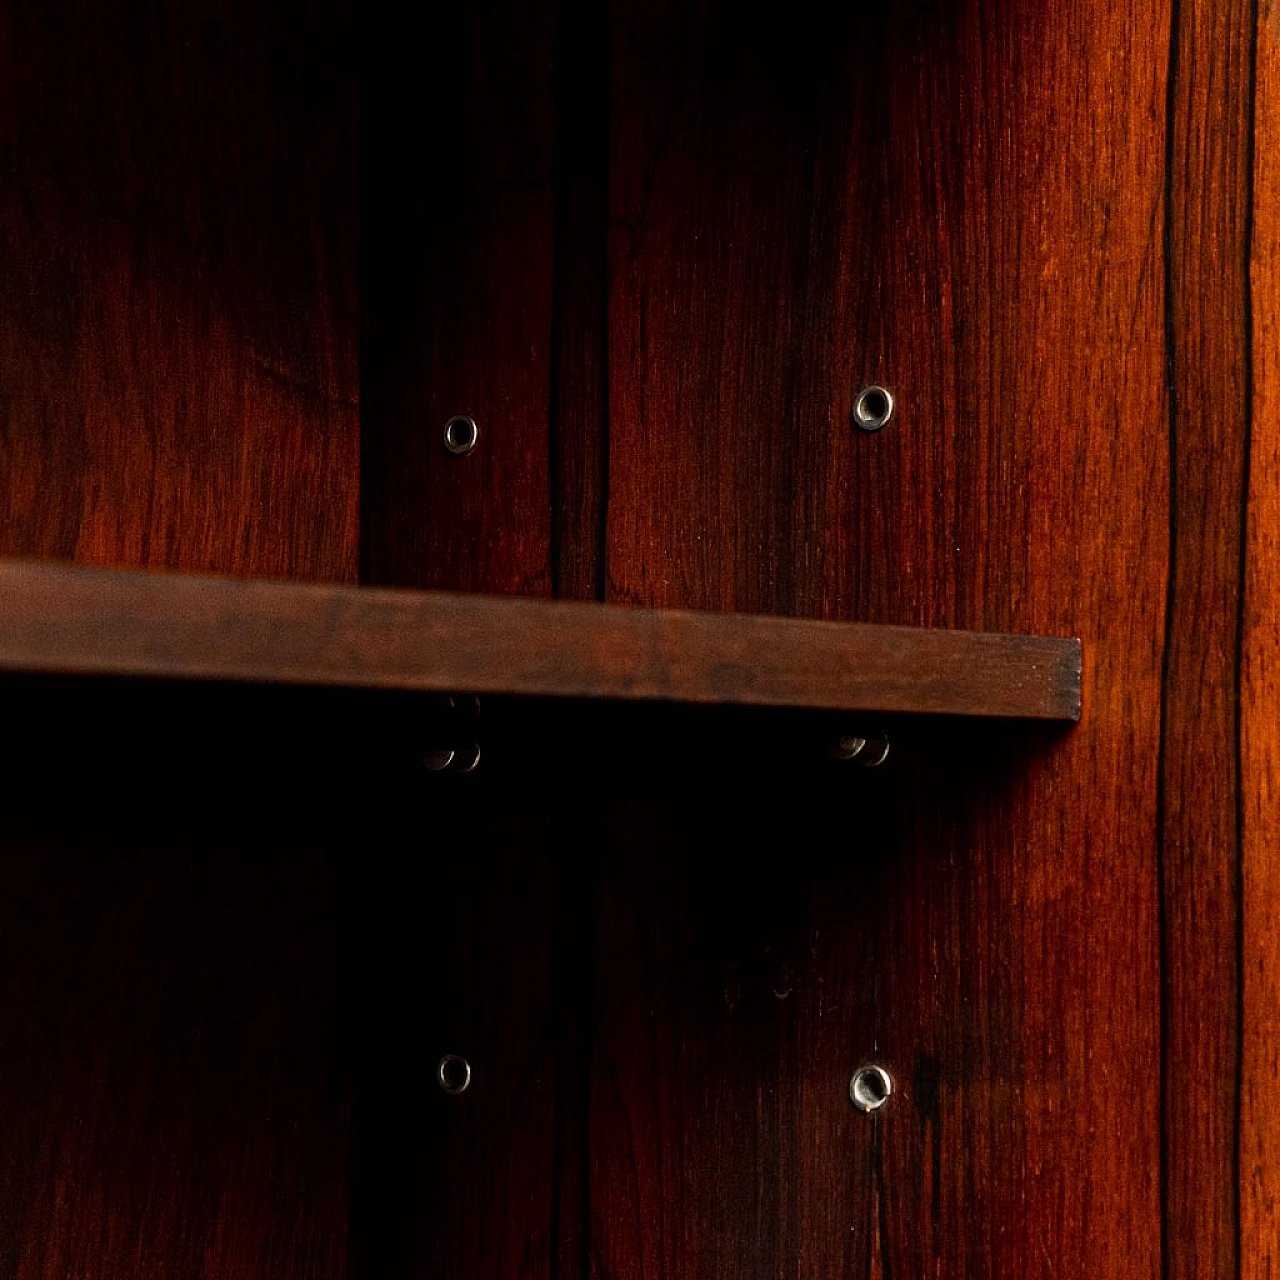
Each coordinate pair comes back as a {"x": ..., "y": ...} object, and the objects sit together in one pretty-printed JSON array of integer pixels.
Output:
[
  {"x": 1170, "y": 348},
  {"x": 1242, "y": 588},
  {"x": 1208, "y": 230},
  {"x": 1260, "y": 694}
]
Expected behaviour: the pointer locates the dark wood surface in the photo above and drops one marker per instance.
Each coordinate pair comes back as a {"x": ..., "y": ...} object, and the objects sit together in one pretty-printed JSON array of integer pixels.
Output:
[
  {"x": 966, "y": 203},
  {"x": 72, "y": 620},
  {"x": 465, "y": 231},
  {"x": 179, "y": 230},
  {"x": 740, "y": 980},
  {"x": 457, "y": 931},
  {"x": 179, "y": 387},
  {"x": 1035, "y": 228},
  {"x": 175, "y": 1041},
  {"x": 1199, "y": 848},
  {"x": 1259, "y": 782},
  {"x": 456, "y": 297},
  {"x": 1052, "y": 230},
  {"x": 579, "y": 438}
]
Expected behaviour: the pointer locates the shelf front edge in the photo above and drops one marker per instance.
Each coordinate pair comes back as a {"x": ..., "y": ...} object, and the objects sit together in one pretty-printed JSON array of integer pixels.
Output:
[{"x": 80, "y": 621}]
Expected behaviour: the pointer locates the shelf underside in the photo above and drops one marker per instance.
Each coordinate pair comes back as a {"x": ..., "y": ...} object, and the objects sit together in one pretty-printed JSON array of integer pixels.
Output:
[{"x": 70, "y": 620}]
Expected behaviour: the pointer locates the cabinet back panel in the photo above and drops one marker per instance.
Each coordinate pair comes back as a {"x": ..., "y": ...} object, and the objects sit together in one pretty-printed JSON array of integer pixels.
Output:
[
  {"x": 1038, "y": 226},
  {"x": 179, "y": 239}
]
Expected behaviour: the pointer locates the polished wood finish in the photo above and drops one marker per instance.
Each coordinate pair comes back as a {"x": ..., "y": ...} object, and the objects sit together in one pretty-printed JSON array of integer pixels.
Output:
[
  {"x": 579, "y": 436},
  {"x": 179, "y": 229},
  {"x": 1207, "y": 264},
  {"x": 454, "y": 954},
  {"x": 90, "y": 622},
  {"x": 964, "y": 201},
  {"x": 737, "y": 992},
  {"x": 179, "y": 388},
  {"x": 1033, "y": 228},
  {"x": 655, "y": 249},
  {"x": 456, "y": 297},
  {"x": 176, "y": 1045},
  {"x": 1259, "y": 959}
]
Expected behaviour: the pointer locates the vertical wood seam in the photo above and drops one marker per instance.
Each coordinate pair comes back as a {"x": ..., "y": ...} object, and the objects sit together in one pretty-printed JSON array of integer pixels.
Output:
[
  {"x": 1174, "y": 270},
  {"x": 578, "y": 501}
]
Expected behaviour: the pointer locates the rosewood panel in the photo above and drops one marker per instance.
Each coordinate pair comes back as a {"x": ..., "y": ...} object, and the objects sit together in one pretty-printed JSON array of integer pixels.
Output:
[
  {"x": 1210, "y": 180},
  {"x": 179, "y": 227},
  {"x": 94, "y": 622},
  {"x": 964, "y": 201},
  {"x": 1259, "y": 960},
  {"x": 453, "y": 954}
]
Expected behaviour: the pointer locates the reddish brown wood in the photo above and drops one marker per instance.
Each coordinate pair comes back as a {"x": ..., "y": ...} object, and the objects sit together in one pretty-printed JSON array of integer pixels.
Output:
[
  {"x": 93, "y": 622},
  {"x": 457, "y": 298},
  {"x": 724, "y": 1014},
  {"x": 964, "y": 201},
  {"x": 1210, "y": 191},
  {"x": 737, "y": 993},
  {"x": 179, "y": 226},
  {"x": 1259, "y": 1169}
]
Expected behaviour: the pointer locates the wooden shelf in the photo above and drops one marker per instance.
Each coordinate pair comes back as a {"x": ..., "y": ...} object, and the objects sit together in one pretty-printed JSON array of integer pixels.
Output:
[{"x": 72, "y": 620}]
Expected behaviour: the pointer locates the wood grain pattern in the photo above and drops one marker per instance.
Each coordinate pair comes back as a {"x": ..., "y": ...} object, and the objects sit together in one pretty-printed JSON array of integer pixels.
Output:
[
  {"x": 655, "y": 249},
  {"x": 175, "y": 1043},
  {"x": 724, "y": 1016},
  {"x": 93, "y": 622},
  {"x": 966, "y": 203},
  {"x": 457, "y": 298},
  {"x": 737, "y": 994},
  {"x": 1207, "y": 269},
  {"x": 179, "y": 228},
  {"x": 475, "y": 208},
  {"x": 1259, "y": 1166}
]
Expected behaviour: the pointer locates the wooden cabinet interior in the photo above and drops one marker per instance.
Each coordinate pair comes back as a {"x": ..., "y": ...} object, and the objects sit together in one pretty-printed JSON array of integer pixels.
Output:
[{"x": 255, "y": 256}]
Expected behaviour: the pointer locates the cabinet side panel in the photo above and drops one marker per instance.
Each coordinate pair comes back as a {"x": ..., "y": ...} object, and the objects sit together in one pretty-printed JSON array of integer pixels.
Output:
[
  {"x": 1260, "y": 703},
  {"x": 1207, "y": 266}
]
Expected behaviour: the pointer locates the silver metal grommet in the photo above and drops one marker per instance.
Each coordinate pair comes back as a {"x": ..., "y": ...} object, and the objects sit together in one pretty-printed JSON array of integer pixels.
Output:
[
  {"x": 868, "y": 752},
  {"x": 460, "y": 435},
  {"x": 453, "y": 1073},
  {"x": 873, "y": 408},
  {"x": 870, "y": 1088}
]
